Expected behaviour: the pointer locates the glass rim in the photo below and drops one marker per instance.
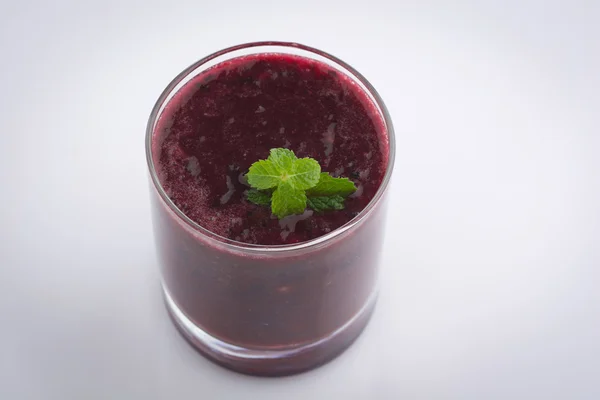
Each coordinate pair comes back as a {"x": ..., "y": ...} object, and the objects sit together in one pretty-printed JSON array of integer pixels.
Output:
[{"x": 241, "y": 246}]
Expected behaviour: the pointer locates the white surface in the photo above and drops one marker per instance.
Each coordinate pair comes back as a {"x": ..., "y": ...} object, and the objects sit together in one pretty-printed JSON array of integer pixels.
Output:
[{"x": 490, "y": 287}]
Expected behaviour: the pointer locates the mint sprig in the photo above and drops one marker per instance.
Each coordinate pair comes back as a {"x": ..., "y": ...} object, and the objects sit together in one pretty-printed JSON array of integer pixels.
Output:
[
  {"x": 326, "y": 203},
  {"x": 258, "y": 197},
  {"x": 330, "y": 186},
  {"x": 289, "y": 184},
  {"x": 288, "y": 200},
  {"x": 283, "y": 166}
]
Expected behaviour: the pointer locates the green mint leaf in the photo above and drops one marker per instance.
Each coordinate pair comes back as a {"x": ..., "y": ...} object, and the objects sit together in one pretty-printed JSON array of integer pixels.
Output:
[
  {"x": 259, "y": 198},
  {"x": 264, "y": 174},
  {"x": 326, "y": 203},
  {"x": 287, "y": 200},
  {"x": 289, "y": 183},
  {"x": 329, "y": 186},
  {"x": 283, "y": 166},
  {"x": 304, "y": 174},
  {"x": 282, "y": 158}
]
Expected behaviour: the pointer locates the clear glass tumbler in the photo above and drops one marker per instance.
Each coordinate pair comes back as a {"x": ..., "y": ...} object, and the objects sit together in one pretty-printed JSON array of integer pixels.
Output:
[{"x": 268, "y": 310}]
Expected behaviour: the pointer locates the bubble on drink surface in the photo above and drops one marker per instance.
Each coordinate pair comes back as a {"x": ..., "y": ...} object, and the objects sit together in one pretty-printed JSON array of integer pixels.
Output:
[
  {"x": 231, "y": 120},
  {"x": 175, "y": 152},
  {"x": 236, "y": 221},
  {"x": 364, "y": 174},
  {"x": 329, "y": 138},
  {"x": 243, "y": 179},
  {"x": 301, "y": 147},
  {"x": 248, "y": 91},
  {"x": 260, "y": 109},
  {"x": 230, "y": 190},
  {"x": 199, "y": 194},
  {"x": 289, "y": 223},
  {"x": 359, "y": 191},
  {"x": 338, "y": 171},
  {"x": 193, "y": 166},
  {"x": 334, "y": 94},
  {"x": 247, "y": 65},
  {"x": 209, "y": 107}
]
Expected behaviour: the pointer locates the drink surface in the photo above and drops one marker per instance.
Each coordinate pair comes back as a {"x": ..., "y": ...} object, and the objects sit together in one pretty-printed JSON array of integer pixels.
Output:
[{"x": 231, "y": 115}]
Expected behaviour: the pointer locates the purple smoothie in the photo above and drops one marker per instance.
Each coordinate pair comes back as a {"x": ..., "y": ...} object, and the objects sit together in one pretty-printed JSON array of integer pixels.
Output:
[
  {"x": 229, "y": 117},
  {"x": 301, "y": 306}
]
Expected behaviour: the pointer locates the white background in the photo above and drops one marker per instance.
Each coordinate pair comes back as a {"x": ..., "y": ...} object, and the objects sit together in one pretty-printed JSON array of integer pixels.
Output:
[{"x": 492, "y": 258}]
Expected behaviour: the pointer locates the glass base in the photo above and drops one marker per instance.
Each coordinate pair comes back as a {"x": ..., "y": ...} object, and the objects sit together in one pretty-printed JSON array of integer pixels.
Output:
[{"x": 269, "y": 362}]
